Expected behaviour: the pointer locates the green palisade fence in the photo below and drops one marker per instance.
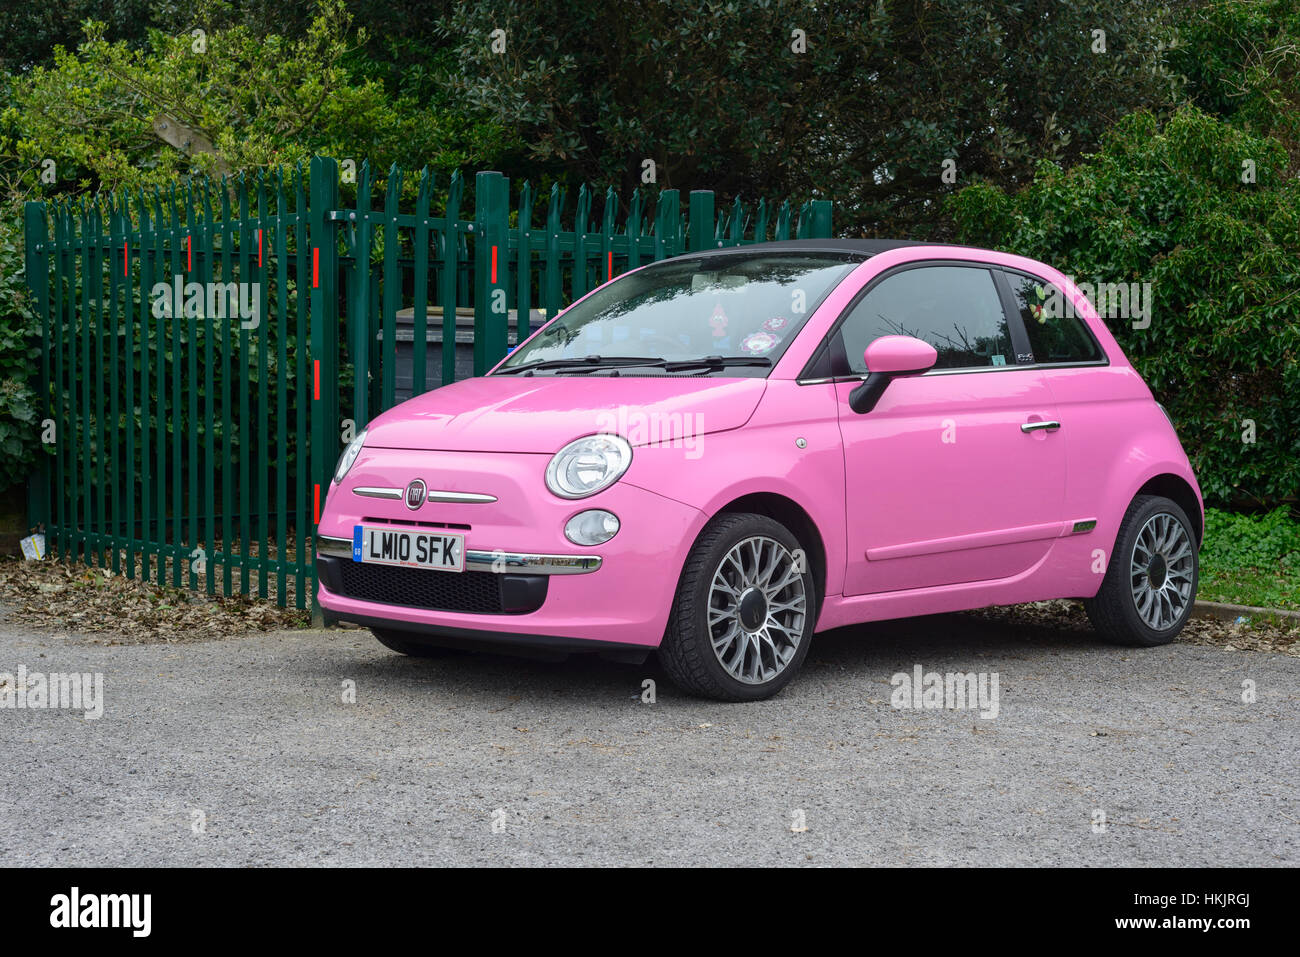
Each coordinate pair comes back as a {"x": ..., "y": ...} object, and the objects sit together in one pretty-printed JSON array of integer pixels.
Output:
[{"x": 208, "y": 349}]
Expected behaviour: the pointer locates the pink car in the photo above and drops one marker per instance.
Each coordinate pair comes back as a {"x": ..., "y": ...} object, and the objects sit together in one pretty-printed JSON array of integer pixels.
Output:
[{"x": 718, "y": 455}]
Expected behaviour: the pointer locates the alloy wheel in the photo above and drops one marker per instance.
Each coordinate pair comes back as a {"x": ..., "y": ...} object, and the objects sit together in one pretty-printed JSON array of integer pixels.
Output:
[
  {"x": 757, "y": 608},
  {"x": 1160, "y": 571}
]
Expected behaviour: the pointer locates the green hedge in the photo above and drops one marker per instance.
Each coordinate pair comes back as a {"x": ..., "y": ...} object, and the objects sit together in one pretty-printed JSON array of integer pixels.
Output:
[
  {"x": 1168, "y": 205},
  {"x": 1251, "y": 559},
  {"x": 19, "y": 358}
]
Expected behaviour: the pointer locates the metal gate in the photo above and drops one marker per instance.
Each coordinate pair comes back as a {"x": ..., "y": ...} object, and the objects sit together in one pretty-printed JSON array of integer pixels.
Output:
[{"x": 207, "y": 352}]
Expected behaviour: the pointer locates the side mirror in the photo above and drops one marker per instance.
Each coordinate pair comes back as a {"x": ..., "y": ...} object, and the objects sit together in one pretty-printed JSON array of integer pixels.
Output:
[{"x": 887, "y": 358}]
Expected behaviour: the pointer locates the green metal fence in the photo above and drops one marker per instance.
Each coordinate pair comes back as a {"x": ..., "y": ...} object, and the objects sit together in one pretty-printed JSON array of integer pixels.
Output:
[{"x": 209, "y": 350}]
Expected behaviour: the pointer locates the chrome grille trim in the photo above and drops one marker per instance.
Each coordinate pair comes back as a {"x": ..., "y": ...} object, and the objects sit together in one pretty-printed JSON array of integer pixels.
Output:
[
  {"x": 372, "y": 492},
  {"x": 459, "y": 498}
]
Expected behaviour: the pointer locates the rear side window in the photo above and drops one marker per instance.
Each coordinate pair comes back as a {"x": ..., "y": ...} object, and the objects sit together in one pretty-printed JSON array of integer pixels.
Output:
[
  {"x": 954, "y": 308},
  {"x": 1055, "y": 333}
]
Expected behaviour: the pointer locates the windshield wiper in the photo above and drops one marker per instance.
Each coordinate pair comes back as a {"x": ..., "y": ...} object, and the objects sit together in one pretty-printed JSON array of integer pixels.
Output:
[
  {"x": 714, "y": 362},
  {"x": 592, "y": 363},
  {"x": 586, "y": 362}
]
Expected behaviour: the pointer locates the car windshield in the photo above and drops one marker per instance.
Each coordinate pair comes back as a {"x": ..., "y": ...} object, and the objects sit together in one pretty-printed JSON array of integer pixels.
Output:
[{"x": 736, "y": 312}]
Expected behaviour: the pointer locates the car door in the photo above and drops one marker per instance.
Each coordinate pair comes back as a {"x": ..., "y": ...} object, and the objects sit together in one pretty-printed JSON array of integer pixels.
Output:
[{"x": 956, "y": 475}]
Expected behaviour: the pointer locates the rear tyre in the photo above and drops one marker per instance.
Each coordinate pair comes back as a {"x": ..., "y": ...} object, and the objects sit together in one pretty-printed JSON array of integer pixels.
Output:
[
  {"x": 403, "y": 644},
  {"x": 1150, "y": 584},
  {"x": 744, "y": 612}
]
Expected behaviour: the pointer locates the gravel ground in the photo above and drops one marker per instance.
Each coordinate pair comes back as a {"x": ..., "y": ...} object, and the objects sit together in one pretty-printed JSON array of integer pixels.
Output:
[{"x": 243, "y": 752}]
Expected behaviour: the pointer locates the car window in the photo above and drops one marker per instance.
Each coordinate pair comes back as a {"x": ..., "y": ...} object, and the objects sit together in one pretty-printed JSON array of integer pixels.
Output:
[
  {"x": 954, "y": 308},
  {"x": 1055, "y": 333},
  {"x": 743, "y": 305}
]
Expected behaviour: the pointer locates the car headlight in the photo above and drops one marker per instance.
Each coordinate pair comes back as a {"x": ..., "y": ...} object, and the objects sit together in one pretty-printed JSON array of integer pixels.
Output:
[
  {"x": 348, "y": 457},
  {"x": 586, "y": 466}
]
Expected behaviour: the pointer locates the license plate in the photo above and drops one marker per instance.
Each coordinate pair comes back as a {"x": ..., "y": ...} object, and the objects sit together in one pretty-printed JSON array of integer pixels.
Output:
[{"x": 384, "y": 545}]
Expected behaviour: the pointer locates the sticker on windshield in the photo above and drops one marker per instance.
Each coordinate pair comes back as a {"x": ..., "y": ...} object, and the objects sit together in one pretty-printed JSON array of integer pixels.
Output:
[
  {"x": 776, "y": 323},
  {"x": 759, "y": 342},
  {"x": 718, "y": 321}
]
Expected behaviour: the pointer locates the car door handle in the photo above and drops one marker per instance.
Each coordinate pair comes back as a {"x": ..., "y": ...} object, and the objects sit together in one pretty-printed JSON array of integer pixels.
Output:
[{"x": 1036, "y": 426}]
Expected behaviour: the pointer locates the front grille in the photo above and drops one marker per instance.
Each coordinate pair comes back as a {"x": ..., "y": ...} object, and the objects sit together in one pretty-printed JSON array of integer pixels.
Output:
[{"x": 417, "y": 588}]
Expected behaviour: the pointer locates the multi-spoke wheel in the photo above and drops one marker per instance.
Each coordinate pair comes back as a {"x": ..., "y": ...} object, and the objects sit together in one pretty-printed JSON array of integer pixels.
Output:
[
  {"x": 757, "y": 607},
  {"x": 1150, "y": 581},
  {"x": 1161, "y": 568},
  {"x": 744, "y": 611}
]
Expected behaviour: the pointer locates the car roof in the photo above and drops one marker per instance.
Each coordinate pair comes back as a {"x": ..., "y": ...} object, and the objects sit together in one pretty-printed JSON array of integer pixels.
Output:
[{"x": 866, "y": 248}]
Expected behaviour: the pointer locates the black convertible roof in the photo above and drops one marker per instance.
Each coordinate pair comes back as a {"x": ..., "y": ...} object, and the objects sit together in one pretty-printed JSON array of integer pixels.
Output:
[{"x": 863, "y": 247}]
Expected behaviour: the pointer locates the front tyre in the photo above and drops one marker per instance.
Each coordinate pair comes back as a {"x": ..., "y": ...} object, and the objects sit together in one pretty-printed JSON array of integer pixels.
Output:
[
  {"x": 743, "y": 615},
  {"x": 1150, "y": 584}
]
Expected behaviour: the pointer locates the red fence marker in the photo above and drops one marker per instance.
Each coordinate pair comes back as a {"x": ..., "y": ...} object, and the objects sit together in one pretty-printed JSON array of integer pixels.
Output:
[
  {"x": 611, "y": 265},
  {"x": 317, "y": 376},
  {"x": 318, "y": 503},
  {"x": 315, "y": 269},
  {"x": 259, "y": 249},
  {"x": 494, "y": 264},
  {"x": 189, "y": 253},
  {"x": 126, "y": 258}
]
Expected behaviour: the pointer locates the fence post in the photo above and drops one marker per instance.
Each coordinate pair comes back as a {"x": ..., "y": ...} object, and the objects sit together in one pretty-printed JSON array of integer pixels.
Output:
[
  {"x": 668, "y": 224},
  {"x": 700, "y": 224},
  {"x": 606, "y": 270},
  {"x": 37, "y": 239},
  {"x": 492, "y": 268},
  {"x": 524, "y": 272},
  {"x": 821, "y": 219},
  {"x": 551, "y": 289},
  {"x": 324, "y": 186},
  {"x": 392, "y": 292}
]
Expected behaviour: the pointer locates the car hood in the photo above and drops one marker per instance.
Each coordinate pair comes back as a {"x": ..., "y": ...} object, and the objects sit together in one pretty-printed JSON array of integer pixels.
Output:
[{"x": 511, "y": 413}]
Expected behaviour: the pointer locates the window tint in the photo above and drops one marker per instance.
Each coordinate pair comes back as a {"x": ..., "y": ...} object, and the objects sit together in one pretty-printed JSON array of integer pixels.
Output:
[
  {"x": 1055, "y": 333},
  {"x": 954, "y": 308}
]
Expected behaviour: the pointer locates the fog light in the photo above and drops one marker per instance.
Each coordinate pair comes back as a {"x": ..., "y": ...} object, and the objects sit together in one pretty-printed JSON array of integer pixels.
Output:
[{"x": 592, "y": 527}]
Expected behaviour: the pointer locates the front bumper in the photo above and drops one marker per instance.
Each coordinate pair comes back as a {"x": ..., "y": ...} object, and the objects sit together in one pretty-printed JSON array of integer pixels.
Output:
[
  {"x": 477, "y": 560},
  {"x": 614, "y": 595}
]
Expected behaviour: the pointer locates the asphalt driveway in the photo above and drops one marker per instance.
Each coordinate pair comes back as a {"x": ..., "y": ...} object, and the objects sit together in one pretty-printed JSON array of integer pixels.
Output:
[{"x": 246, "y": 752}]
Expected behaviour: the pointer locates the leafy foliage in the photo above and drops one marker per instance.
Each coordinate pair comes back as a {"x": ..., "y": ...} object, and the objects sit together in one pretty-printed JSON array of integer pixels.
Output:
[
  {"x": 19, "y": 426},
  {"x": 259, "y": 100},
  {"x": 1242, "y": 64},
  {"x": 29, "y": 32},
  {"x": 717, "y": 95},
  {"x": 1167, "y": 205},
  {"x": 1251, "y": 559}
]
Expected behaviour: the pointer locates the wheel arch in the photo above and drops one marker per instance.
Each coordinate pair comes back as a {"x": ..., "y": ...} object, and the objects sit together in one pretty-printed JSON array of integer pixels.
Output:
[
  {"x": 793, "y": 516},
  {"x": 1177, "y": 489}
]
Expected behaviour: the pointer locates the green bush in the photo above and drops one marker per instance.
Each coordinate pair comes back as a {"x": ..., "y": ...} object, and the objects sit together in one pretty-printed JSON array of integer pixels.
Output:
[
  {"x": 1168, "y": 205},
  {"x": 1251, "y": 559},
  {"x": 19, "y": 355}
]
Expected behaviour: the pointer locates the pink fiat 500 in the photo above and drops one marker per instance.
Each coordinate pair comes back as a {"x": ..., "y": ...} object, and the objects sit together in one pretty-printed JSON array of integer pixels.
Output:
[{"x": 716, "y": 456}]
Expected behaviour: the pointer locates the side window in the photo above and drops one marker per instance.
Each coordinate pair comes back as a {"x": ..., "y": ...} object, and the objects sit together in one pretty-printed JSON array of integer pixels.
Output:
[
  {"x": 954, "y": 308},
  {"x": 1055, "y": 333}
]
